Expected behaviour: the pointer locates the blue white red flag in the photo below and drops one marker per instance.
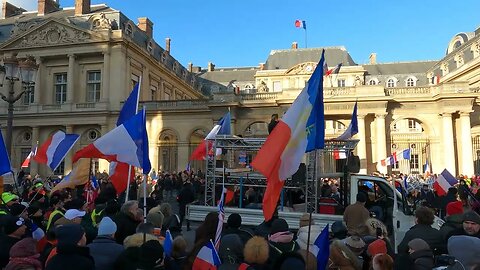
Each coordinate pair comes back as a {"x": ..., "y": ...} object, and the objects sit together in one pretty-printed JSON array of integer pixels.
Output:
[
  {"x": 321, "y": 249},
  {"x": 352, "y": 128},
  {"x": 207, "y": 258},
  {"x": 127, "y": 143},
  {"x": 300, "y": 24},
  {"x": 5, "y": 166},
  {"x": 32, "y": 153},
  {"x": 334, "y": 70},
  {"x": 118, "y": 175},
  {"x": 404, "y": 154},
  {"x": 94, "y": 182},
  {"x": 426, "y": 168},
  {"x": 168, "y": 243},
  {"x": 54, "y": 150},
  {"x": 444, "y": 181},
  {"x": 130, "y": 107},
  {"x": 300, "y": 130},
  {"x": 221, "y": 218},
  {"x": 221, "y": 128}
]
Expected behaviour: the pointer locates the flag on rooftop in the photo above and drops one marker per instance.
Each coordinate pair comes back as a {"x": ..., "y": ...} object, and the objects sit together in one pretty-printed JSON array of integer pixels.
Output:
[
  {"x": 334, "y": 70},
  {"x": 444, "y": 181},
  {"x": 127, "y": 143},
  {"x": 300, "y": 24},
  {"x": 53, "y": 151},
  {"x": 300, "y": 130},
  {"x": 221, "y": 128}
]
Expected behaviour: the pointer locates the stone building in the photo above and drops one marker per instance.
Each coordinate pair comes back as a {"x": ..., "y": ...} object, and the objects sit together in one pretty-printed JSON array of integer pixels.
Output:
[{"x": 89, "y": 57}]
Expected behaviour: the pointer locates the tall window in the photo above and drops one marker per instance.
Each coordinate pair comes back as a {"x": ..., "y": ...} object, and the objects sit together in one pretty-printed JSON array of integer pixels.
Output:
[
  {"x": 414, "y": 161},
  {"x": 341, "y": 83},
  {"x": 277, "y": 86},
  {"x": 29, "y": 96},
  {"x": 391, "y": 83},
  {"x": 410, "y": 82},
  {"x": 372, "y": 82},
  {"x": 166, "y": 95},
  {"x": 60, "y": 88},
  {"x": 153, "y": 92},
  {"x": 135, "y": 80},
  {"x": 94, "y": 79}
]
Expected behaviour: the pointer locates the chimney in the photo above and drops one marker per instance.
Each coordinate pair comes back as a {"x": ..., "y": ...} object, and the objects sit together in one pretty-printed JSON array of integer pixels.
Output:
[
  {"x": 211, "y": 66},
  {"x": 262, "y": 66},
  {"x": 294, "y": 45},
  {"x": 9, "y": 10},
  {"x": 146, "y": 26},
  {"x": 373, "y": 58},
  {"x": 47, "y": 6},
  {"x": 167, "y": 44},
  {"x": 190, "y": 67},
  {"x": 82, "y": 7}
]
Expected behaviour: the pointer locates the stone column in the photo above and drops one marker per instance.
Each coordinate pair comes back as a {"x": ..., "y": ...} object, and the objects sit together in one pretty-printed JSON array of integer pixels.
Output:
[
  {"x": 362, "y": 144},
  {"x": 70, "y": 78},
  {"x": 466, "y": 138},
  {"x": 68, "y": 157},
  {"x": 38, "y": 82},
  {"x": 128, "y": 77},
  {"x": 447, "y": 141},
  {"x": 103, "y": 165},
  {"x": 381, "y": 139},
  {"x": 105, "y": 77},
  {"x": 35, "y": 140}
]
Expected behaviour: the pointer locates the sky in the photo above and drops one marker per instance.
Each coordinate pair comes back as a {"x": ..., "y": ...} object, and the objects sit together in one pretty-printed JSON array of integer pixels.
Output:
[{"x": 236, "y": 33}]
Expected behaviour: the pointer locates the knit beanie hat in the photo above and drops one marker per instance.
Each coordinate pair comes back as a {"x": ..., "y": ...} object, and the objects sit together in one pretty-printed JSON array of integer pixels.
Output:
[
  {"x": 156, "y": 218},
  {"x": 69, "y": 233},
  {"x": 24, "y": 248},
  {"x": 279, "y": 225},
  {"x": 12, "y": 223},
  {"x": 107, "y": 226},
  {"x": 355, "y": 243},
  {"x": 454, "y": 208},
  {"x": 418, "y": 244},
  {"x": 16, "y": 209},
  {"x": 472, "y": 217},
  {"x": 151, "y": 254},
  {"x": 377, "y": 247},
  {"x": 234, "y": 221}
]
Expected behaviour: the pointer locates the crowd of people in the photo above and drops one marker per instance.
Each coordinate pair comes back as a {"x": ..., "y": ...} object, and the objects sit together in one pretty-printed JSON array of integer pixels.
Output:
[{"x": 74, "y": 229}]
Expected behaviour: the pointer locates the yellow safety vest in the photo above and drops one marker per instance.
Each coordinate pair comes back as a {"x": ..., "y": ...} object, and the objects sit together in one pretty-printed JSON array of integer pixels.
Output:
[{"x": 50, "y": 218}]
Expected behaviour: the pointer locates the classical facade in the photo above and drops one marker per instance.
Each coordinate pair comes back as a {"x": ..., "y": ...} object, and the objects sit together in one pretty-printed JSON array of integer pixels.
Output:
[{"x": 89, "y": 57}]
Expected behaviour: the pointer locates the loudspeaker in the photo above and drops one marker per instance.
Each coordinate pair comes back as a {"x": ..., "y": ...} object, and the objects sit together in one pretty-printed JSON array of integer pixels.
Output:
[{"x": 353, "y": 164}]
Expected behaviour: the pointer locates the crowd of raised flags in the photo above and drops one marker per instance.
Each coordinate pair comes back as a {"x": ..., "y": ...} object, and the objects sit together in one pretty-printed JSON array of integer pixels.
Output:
[{"x": 395, "y": 157}]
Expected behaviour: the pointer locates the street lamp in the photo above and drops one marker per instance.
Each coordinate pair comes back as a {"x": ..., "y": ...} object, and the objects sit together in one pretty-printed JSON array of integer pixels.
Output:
[{"x": 13, "y": 69}]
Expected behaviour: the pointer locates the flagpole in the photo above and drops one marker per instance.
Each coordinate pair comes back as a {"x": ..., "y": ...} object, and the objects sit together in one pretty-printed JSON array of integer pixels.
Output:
[
  {"x": 144, "y": 198},
  {"x": 306, "y": 46},
  {"x": 129, "y": 178},
  {"x": 128, "y": 181}
]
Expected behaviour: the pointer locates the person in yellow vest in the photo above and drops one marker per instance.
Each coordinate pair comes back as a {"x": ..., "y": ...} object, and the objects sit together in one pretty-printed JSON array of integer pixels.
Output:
[
  {"x": 7, "y": 199},
  {"x": 57, "y": 202}
]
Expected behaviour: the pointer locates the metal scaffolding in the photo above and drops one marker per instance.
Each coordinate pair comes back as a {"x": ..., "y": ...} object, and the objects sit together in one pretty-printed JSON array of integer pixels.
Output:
[{"x": 319, "y": 164}]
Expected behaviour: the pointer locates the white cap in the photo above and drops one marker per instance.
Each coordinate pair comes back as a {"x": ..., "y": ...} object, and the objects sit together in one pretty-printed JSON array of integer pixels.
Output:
[{"x": 74, "y": 213}]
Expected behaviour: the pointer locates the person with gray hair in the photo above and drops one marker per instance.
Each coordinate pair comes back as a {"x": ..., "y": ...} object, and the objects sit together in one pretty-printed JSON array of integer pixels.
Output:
[{"x": 126, "y": 221}]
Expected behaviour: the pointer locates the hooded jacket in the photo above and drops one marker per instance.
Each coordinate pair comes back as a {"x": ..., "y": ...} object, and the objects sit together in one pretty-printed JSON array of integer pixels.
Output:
[
  {"x": 71, "y": 257},
  {"x": 465, "y": 249},
  {"x": 105, "y": 252},
  {"x": 422, "y": 260}
]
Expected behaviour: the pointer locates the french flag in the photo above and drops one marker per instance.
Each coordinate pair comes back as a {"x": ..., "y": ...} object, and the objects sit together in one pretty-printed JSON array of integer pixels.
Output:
[
  {"x": 207, "y": 258},
  {"x": 54, "y": 150},
  {"x": 127, "y": 143},
  {"x": 321, "y": 249},
  {"x": 221, "y": 128},
  {"x": 334, "y": 70},
  {"x": 130, "y": 107},
  {"x": 118, "y": 174},
  {"x": 300, "y": 24},
  {"x": 32, "y": 153},
  {"x": 339, "y": 154},
  {"x": 404, "y": 154},
  {"x": 443, "y": 182},
  {"x": 352, "y": 128},
  {"x": 168, "y": 243},
  {"x": 300, "y": 130},
  {"x": 221, "y": 218}
]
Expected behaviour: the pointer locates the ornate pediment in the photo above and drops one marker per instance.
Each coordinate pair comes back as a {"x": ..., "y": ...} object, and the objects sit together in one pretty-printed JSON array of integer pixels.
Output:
[
  {"x": 302, "y": 69},
  {"x": 50, "y": 33}
]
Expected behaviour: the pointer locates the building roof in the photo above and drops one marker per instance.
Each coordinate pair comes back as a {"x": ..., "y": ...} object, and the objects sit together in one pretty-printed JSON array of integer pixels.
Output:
[
  {"x": 399, "y": 68},
  {"x": 285, "y": 59},
  {"x": 227, "y": 75}
]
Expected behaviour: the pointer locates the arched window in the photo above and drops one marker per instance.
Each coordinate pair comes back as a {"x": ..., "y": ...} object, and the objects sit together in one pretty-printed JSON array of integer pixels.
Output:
[
  {"x": 410, "y": 82},
  {"x": 391, "y": 82},
  {"x": 372, "y": 82},
  {"x": 129, "y": 29},
  {"x": 167, "y": 152},
  {"x": 150, "y": 46}
]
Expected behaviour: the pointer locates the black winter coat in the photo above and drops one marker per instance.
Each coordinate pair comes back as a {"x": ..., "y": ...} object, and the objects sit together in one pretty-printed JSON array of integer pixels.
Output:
[
  {"x": 6, "y": 243},
  {"x": 126, "y": 226},
  {"x": 71, "y": 257},
  {"x": 105, "y": 252},
  {"x": 422, "y": 260},
  {"x": 430, "y": 235}
]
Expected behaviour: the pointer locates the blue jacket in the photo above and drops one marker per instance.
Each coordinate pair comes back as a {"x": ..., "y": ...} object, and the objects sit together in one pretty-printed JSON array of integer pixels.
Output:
[{"x": 105, "y": 252}]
